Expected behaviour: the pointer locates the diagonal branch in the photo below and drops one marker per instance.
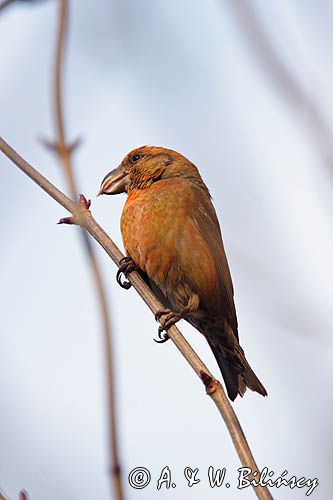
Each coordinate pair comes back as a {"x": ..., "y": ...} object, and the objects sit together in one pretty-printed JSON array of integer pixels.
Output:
[
  {"x": 213, "y": 387},
  {"x": 64, "y": 151}
]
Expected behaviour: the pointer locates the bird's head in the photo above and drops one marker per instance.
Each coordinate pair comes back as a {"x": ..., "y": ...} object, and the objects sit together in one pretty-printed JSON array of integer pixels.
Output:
[{"x": 143, "y": 166}]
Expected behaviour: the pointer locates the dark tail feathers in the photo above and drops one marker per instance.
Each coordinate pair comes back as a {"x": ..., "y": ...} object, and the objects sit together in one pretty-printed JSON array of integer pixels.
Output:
[{"x": 236, "y": 371}]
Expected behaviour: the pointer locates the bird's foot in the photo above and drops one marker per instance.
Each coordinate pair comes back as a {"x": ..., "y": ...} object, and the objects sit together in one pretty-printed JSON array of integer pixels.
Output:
[
  {"x": 126, "y": 266},
  {"x": 167, "y": 318}
]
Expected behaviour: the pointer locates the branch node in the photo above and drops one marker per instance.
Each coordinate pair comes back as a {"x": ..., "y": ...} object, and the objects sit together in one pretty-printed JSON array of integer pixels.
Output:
[
  {"x": 48, "y": 144},
  {"x": 67, "y": 220},
  {"x": 84, "y": 205},
  {"x": 210, "y": 383},
  {"x": 116, "y": 470},
  {"x": 72, "y": 147},
  {"x": 59, "y": 149}
]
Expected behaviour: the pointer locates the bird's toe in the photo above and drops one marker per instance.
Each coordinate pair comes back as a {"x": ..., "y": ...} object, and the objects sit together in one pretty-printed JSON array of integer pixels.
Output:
[{"x": 126, "y": 266}]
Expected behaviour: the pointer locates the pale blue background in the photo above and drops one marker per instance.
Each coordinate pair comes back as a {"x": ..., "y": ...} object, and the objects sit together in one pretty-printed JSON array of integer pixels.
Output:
[{"x": 181, "y": 74}]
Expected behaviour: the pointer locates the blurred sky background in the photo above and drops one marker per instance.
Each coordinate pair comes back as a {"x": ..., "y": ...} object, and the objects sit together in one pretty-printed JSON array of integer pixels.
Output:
[{"x": 191, "y": 76}]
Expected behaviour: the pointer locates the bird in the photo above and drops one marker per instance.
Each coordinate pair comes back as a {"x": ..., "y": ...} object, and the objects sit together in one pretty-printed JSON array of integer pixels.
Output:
[{"x": 172, "y": 236}]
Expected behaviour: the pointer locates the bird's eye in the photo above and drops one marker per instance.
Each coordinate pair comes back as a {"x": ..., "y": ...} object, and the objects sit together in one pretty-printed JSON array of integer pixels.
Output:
[{"x": 135, "y": 158}]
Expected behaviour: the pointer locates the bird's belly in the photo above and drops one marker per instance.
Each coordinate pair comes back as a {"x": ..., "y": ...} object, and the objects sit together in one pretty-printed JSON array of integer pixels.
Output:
[
  {"x": 150, "y": 238},
  {"x": 162, "y": 240}
]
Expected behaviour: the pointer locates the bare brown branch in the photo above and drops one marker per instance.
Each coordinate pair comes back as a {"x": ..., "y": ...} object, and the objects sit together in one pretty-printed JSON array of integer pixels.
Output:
[
  {"x": 64, "y": 150},
  {"x": 213, "y": 387}
]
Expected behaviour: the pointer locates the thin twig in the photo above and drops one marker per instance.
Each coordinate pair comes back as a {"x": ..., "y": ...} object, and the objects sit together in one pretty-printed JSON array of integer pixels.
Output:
[
  {"x": 64, "y": 152},
  {"x": 282, "y": 77},
  {"x": 213, "y": 386}
]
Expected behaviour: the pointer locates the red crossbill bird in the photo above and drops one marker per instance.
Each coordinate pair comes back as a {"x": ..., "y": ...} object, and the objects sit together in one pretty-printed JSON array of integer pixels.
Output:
[{"x": 171, "y": 232}]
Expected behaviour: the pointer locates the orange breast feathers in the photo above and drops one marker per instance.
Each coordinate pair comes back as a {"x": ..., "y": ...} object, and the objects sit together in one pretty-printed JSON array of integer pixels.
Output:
[{"x": 161, "y": 235}]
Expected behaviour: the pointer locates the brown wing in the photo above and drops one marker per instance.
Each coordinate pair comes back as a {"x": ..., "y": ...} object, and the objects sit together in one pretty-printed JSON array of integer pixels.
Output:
[{"x": 206, "y": 220}]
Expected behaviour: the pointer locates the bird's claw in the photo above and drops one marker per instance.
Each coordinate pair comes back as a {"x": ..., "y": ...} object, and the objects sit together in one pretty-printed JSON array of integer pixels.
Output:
[
  {"x": 166, "y": 319},
  {"x": 162, "y": 337},
  {"x": 126, "y": 266}
]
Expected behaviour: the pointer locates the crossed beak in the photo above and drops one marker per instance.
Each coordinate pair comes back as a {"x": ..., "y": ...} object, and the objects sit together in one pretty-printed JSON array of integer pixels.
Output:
[{"x": 115, "y": 182}]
